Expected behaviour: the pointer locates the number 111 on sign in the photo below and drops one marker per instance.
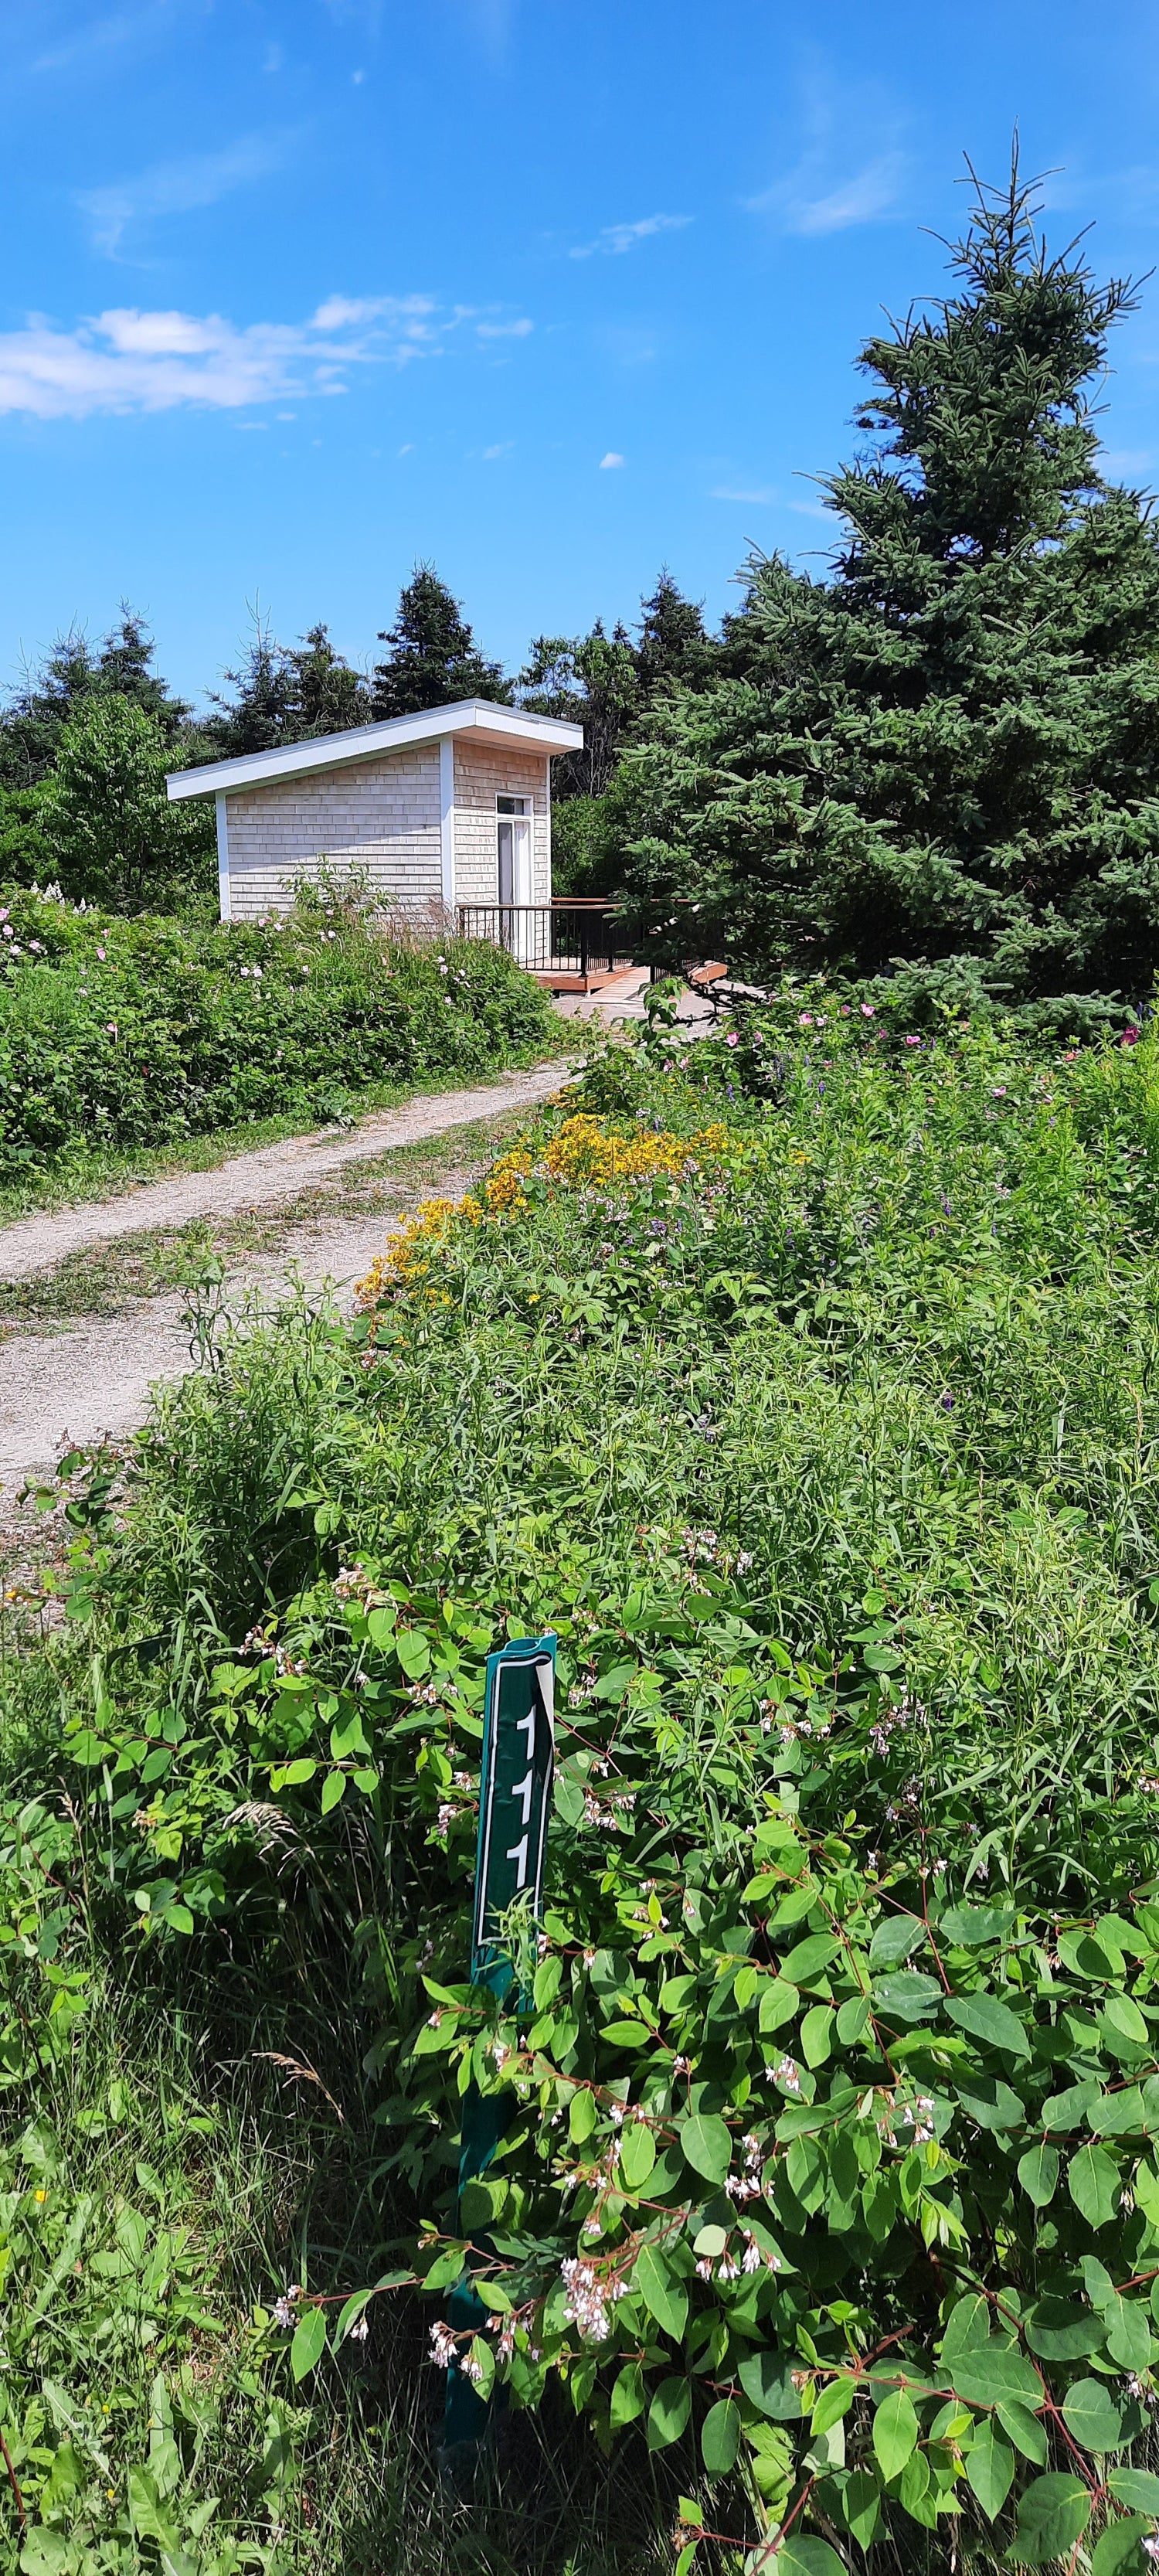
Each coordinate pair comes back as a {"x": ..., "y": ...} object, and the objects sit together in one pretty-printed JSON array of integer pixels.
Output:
[{"x": 518, "y": 1756}]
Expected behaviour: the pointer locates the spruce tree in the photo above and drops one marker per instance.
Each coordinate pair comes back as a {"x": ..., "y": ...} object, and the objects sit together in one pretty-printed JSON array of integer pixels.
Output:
[
  {"x": 432, "y": 658},
  {"x": 946, "y": 755}
]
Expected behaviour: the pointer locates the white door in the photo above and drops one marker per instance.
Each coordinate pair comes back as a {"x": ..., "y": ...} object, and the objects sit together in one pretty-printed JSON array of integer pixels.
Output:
[{"x": 516, "y": 922}]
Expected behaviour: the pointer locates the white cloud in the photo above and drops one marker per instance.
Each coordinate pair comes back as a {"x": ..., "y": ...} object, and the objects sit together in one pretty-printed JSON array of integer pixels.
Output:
[
  {"x": 128, "y": 361},
  {"x": 860, "y": 199},
  {"x": 179, "y": 187},
  {"x": 503, "y": 449},
  {"x": 832, "y": 183},
  {"x": 123, "y": 27},
  {"x": 606, "y": 462},
  {"x": 615, "y": 239},
  {"x": 760, "y": 494},
  {"x": 505, "y": 330}
]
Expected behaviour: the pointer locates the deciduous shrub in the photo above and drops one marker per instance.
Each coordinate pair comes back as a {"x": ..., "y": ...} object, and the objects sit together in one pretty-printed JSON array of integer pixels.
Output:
[
  {"x": 133, "y": 1033},
  {"x": 806, "y": 1394}
]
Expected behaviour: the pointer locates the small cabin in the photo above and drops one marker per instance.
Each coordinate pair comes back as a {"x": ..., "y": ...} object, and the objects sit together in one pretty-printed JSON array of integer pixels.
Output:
[{"x": 448, "y": 810}]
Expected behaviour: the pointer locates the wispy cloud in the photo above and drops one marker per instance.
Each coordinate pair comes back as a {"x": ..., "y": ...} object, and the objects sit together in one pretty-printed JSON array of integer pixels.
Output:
[
  {"x": 832, "y": 183},
  {"x": 615, "y": 239},
  {"x": 759, "y": 494},
  {"x": 117, "y": 30},
  {"x": 179, "y": 187},
  {"x": 131, "y": 361},
  {"x": 505, "y": 330},
  {"x": 611, "y": 459}
]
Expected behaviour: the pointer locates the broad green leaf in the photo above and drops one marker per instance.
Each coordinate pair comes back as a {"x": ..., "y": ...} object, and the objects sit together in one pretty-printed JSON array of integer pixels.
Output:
[
  {"x": 803, "y": 2557},
  {"x": 968, "y": 1926},
  {"x": 1052, "y": 2514},
  {"x": 968, "y": 2324},
  {"x": 1024, "y": 2430},
  {"x": 333, "y": 1789},
  {"x": 1123, "y": 2018},
  {"x": 637, "y": 2153},
  {"x": 1093, "y": 2184},
  {"x": 1129, "y": 2339},
  {"x": 1091, "y": 2415},
  {"x": 990, "y": 2021},
  {"x": 860, "y": 2504},
  {"x": 413, "y": 1653},
  {"x": 1121, "y": 2545},
  {"x": 583, "y": 2115},
  {"x": 986, "y": 2372},
  {"x": 766, "y": 2377},
  {"x": 1120, "y": 2115},
  {"x": 990, "y": 2102},
  {"x": 663, "y": 2295},
  {"x": 804, "y": 1963},
  {"x": 1138, "y": 2488},
  {"x": 908, "y": 1995},
  {"x": 894, "y": 1939},
  {"x": 779, "y": 2003},
  {"x": 1061, "y": 2330},
  {"x": 1038, "y": 2173},
  {"x": 852, "y": 2018},
  {"x": 835, "y": 2400},
  {"x": 46, "y": 2553},
  {"x": 990, "y": 2468},
  {"x": 309, "y": 2342},
  {"x": 627, "y": 2399},
  {"x": 706, "y": 2144},
  {"x": 720, "y": 2437},
  {"x": 816, "y": 2034},
  {"x": 668, "y": 2413},
  {"x": 1068, "y": 2109},
  {"x": 895, "y": 2431}
]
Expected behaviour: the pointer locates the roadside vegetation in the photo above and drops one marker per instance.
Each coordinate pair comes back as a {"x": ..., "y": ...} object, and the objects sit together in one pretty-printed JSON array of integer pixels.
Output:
[
  {"x": 803, "y": 1381},
  {"x": 119, "y": 1037}
]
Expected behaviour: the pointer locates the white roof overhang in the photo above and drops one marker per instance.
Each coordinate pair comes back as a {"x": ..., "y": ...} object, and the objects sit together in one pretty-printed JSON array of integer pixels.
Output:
[{"x": 368, "y": 742}]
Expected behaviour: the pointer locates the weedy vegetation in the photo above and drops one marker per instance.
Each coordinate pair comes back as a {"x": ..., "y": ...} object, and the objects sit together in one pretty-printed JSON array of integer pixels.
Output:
[
  {"x": 804, "y": 1382},
  {"x": 121, "y": 1037}
]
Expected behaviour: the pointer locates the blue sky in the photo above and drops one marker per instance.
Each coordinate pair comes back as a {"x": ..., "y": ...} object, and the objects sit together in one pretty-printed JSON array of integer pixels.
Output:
[{"x": 548, "y": 295}]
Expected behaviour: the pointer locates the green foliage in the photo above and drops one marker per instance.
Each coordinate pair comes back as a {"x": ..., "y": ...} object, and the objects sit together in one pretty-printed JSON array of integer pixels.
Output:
[
  {"x": 106, "y": 816},
  {"x": 72, "y": 674},
  {"x": 827, "y": 1446},
  {"x": 432, "y": 658},
  {"x": 284, "y": 694},
  {"x": 135, "y": 1032},
  {"x": 943, "y": 756}
]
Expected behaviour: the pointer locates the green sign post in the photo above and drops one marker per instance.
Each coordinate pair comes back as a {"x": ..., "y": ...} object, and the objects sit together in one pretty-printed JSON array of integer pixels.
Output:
[{"x": 514, "y": 1805}]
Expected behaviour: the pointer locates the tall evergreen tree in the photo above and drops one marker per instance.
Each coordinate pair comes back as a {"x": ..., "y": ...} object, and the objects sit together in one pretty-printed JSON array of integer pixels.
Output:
[
  {"x": 589, "y": 680},
  {"x": 947, "y": 754},
  {"x": 284, "y": 694},
  {"x": 432, "y": 658},
  {"x": 32, "y": 724},
  {"x": 673, "y": 645}
]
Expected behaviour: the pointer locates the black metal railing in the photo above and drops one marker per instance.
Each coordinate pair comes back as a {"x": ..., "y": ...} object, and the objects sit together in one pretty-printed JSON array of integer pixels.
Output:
[{"x": 569, "y": 936}]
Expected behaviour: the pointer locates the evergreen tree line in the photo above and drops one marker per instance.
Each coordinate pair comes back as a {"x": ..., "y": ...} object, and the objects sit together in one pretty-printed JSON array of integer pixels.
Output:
[
  {"x": 86, "y": 741},
  {"x": 937, "y": 763}
]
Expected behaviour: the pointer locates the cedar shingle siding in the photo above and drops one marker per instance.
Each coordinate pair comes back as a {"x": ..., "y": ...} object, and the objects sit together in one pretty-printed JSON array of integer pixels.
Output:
[{"x": 382, "y": 815}]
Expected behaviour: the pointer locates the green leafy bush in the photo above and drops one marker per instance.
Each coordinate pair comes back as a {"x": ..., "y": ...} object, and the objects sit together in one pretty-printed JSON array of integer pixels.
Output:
[
  {"x": 135, "y": 1033},
  {"x": 816, "y": 1418},
  {"x": 115, "y": 837}
]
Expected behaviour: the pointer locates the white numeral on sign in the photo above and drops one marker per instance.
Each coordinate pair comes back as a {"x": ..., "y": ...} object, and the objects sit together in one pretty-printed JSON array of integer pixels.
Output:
[{"x": 518, "y": 1853}]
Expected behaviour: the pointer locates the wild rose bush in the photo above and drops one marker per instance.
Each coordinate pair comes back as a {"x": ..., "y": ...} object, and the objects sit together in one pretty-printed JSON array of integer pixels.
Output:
[
  {"x": 129, "y": 1033},
  {"x": 827, "y": 2106}
]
